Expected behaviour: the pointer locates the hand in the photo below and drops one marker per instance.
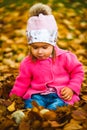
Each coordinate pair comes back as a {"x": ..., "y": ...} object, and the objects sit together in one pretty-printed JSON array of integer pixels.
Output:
[{"x": 66, "y": 93}]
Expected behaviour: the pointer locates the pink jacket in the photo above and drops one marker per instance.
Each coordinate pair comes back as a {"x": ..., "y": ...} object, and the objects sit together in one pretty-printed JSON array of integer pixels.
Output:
[{"x": 34, "y": 76}]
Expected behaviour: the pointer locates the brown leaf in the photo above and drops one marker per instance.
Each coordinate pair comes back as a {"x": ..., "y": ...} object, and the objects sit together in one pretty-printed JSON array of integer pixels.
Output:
[
  {"x": 50, "y": 115},
  {"x": 79, "y": 115},
  {"x": 24, "y": 125},
  {"x": 84, "y": 97},
  {"x": 6, "y": 123},
  {"x": 46, "y": 124},
  {"x": 55, "y": 124},
  {"x": 73, "y": 125}
]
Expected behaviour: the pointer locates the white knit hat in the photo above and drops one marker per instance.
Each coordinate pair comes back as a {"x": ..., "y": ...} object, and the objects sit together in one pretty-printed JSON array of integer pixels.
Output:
[{"x": 42, "y": 28}]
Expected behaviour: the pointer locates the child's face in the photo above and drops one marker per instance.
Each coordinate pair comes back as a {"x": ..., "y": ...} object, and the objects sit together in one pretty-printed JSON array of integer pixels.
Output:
[{"x": 41, "y": 50}]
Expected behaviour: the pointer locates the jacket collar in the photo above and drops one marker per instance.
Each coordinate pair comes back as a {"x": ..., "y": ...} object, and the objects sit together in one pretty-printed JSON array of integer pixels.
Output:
[{"x": 59, "y": 51}]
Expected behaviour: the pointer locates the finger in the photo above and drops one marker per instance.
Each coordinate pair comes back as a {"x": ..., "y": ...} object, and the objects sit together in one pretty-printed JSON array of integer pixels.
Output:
[
  {"x": 63, "y": 91},
  {"x": 67, "y": 98}
]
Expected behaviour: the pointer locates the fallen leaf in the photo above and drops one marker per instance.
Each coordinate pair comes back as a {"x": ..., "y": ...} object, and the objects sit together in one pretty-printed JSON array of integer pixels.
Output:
[
  {"x": 50, "y": 115},
  {"x": 73, "y": 125},
  {"x": 84, "y": 97},
  {"x": 79, "y": 115},
  {"x": 11, "y": 108},
  {"x": 18, "y": 116}
]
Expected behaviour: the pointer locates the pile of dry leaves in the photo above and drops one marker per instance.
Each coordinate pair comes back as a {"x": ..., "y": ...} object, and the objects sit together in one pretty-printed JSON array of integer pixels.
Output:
[
  {"x": 72, "y": 36},
  {"x": 13, "y": 116}
]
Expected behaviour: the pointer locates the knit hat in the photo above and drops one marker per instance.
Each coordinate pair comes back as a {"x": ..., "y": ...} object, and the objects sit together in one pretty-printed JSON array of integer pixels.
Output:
[{"x": 42, "y": 28}]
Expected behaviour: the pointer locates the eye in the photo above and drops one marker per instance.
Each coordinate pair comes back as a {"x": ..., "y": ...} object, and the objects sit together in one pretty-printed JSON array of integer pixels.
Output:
[
  {"x": 34, "y": 47},
  {"x": 45, "y": 47}
]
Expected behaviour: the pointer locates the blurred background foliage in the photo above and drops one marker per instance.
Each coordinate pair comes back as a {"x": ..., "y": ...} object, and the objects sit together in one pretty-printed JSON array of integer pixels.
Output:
[
  {"x": 71, "y": 17},
  {"x": 65, "y": 2}
]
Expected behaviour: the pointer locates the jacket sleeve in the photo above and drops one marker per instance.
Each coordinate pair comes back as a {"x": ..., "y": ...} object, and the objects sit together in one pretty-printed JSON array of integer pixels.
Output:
[
  {"x": 75, "y": 69},
  {"x": 22, "y": 81}
]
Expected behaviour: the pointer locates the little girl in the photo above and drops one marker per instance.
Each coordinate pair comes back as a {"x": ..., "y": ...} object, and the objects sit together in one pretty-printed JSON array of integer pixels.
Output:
[{"x": 48, "y": 75}]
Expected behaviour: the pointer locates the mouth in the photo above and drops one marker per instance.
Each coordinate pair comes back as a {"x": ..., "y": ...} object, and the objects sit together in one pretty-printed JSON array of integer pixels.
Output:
[{"x": 40, "y": 57}]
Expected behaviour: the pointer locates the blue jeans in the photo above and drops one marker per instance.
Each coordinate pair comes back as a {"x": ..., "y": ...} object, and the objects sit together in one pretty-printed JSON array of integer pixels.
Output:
[{"x": 50, "y": 101}]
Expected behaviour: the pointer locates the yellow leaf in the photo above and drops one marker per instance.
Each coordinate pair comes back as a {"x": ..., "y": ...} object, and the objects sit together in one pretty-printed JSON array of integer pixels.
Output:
[
  {"x": 84, "y": 97},
  {"x": 73, "y": 125},
  {"x": 43, "y": 111},
  {"x": 11, "y": 107}
]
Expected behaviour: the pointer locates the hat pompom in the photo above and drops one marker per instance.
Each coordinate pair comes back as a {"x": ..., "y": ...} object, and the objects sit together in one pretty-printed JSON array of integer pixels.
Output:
[{"x": 39, "y": 8}]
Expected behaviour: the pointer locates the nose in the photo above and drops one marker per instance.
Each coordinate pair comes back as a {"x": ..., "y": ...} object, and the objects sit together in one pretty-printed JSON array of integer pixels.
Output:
[{"x": 40, "y": 51}]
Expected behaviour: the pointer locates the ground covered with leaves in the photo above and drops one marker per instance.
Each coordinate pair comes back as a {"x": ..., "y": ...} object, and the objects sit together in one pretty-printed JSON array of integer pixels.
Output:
[{"x": 71, "y": 18}]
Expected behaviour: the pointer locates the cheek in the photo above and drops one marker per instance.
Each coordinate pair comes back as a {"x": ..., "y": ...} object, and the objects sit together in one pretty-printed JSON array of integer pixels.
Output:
[
  {"x": 33, "y": 52},
  {"x": 49, "y": 52}
]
